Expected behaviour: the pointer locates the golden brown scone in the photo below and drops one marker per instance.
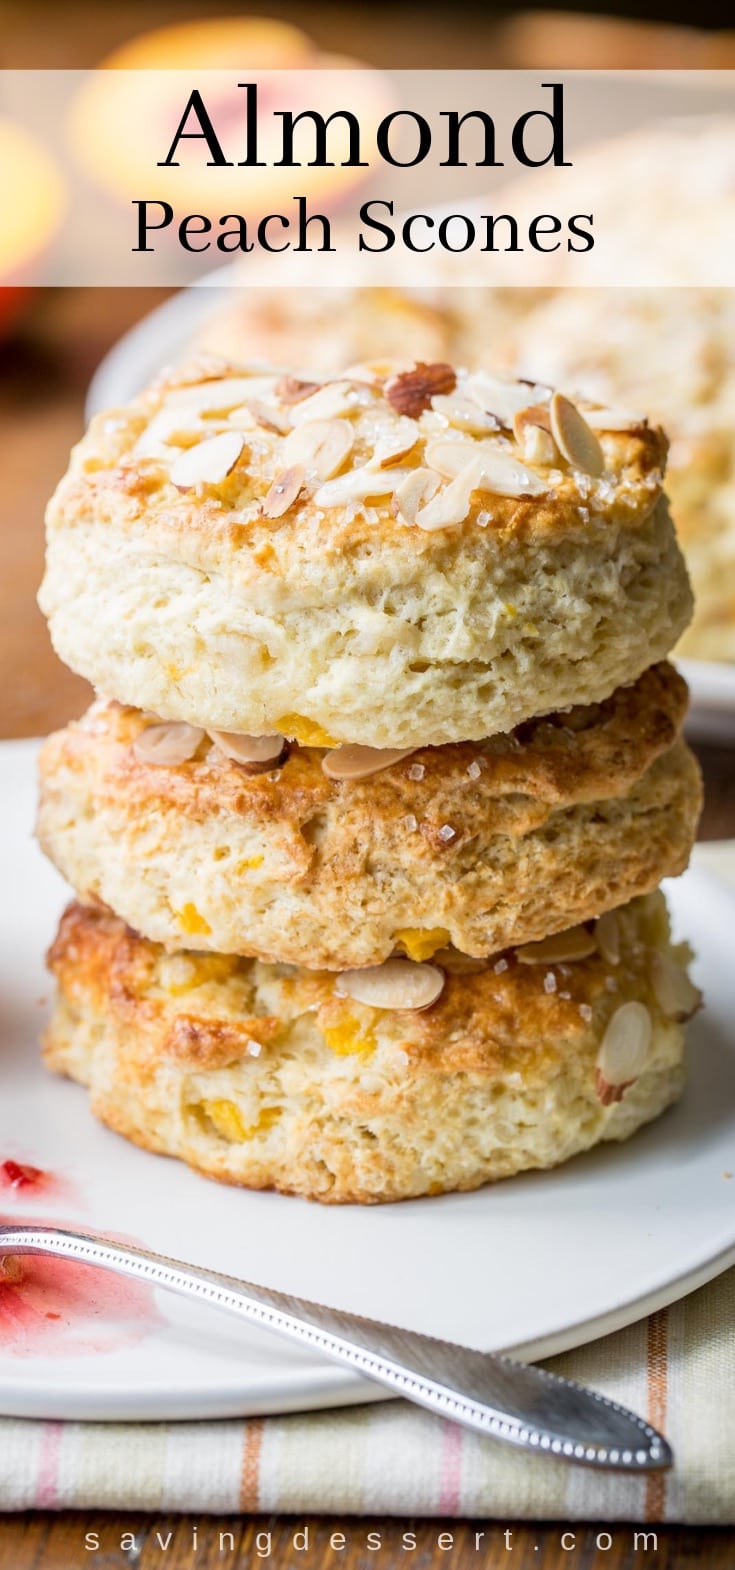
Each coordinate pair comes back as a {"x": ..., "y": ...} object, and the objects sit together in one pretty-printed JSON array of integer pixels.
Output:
[
  {"x": 382, "y": 563},
  {"x": 478, "y": 844},
  {"x": 273, "y": 1076},
  {"x": 671, "y": 351}
]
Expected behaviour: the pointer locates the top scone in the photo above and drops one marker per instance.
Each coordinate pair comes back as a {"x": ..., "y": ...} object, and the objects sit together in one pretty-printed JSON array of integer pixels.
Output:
[{"x": 388, "y": 556}]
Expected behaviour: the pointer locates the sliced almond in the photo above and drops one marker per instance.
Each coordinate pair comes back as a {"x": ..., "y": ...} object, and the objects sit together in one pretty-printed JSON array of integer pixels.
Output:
[
  {"x": 614, "y": 420},
  {"x": 465, "y": 414},
  {"x": 676, "y": 994},
  {"x": 451, "y": 505},
  {"x": 264, "y": 414},
  {"x": 624, "y": 1051},
  {"x": 167, "y": 744},
  {"x": 573, "y": 436},
  {"x": 356, "y": 484},
  {"x": 327, "y": 403},
  {"x": 532, "y": 414},
  {"x": 221, "y": 395},
  {"x": 498, "y": 470},
  {"x": 209, "y": 462},
  {"x": 397, "y": 984},
  {"x": 395, "y": 444},
  {"x": 607, "y": 937},
  {"x": 575, "y": 943},
  {"x": 320, "y": 445},
  {"x": 532, "y": 431},
  {"x": 418, "y": 486},
  {"x": 352, "y": 762},
  {"x": 291, "y": 389},
  {"x": 159, "y": 434},
  {"x": 503, "y": 398},
  {"x": 410, "y": 392},
  {"x": 284, "y": 491},
  {"x": 389, "y": 460},
  {"x": 538, "y": 446},
  {"x": 257, "y": 754}
]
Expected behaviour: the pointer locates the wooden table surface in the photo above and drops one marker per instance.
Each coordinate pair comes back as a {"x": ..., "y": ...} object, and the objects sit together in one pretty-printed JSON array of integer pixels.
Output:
[{"x": 44, "y": 371}]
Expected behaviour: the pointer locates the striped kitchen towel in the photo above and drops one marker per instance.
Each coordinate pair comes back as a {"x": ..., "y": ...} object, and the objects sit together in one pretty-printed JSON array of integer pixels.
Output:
[{"x": 677, "y": 1367}]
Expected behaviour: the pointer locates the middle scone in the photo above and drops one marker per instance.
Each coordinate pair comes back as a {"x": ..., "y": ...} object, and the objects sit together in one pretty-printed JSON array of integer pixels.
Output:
[
  {"x": 392, "y": 557},
  {"x": 338, "y": 858}
]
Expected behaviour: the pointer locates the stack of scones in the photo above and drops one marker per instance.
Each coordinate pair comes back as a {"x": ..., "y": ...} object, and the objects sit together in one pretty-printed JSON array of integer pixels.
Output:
[{"x": 368, "y": 821}]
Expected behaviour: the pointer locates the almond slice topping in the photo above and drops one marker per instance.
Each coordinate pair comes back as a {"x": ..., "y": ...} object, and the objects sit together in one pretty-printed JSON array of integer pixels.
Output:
[
  {"x": 257, "y": 754},
  {"x": 291, "y": 389},
  {"x": 209, "y": 463},
  {"x": 452, "y": 504},
  {"x": 356, "y": 484},
  {"x": 465, "y": 413},
  {"x": 615, "y": 420},
  {"x": 330, "y": 400},
  {"x": 320, "y": 445},
  {"x": 264, "y": 414},
  {"x": 532, "y": 431},
  {"x": 623, "y": 1051},
  {"x": 502, "y": 398},
  {"x": 395, "y": 445},
  {"x": 573, "y": 436},
  {"x": 352, "y": 762},
  {"x": 676, "y": 994},
  {"x": 284, "y": 491},
  {"x": 575, "y": 943},
  {"x": 607, "y": 937},
  {"x": 219, "y": 396},
  {"x": 167, "y": 744},
  {"x": 410, "y": 392},
  {"x": 538, "y": 446},
  {"x": 498, "y": 471},
  {"x": 418, "y": 486},
  {"x": 397, "y": 984}
]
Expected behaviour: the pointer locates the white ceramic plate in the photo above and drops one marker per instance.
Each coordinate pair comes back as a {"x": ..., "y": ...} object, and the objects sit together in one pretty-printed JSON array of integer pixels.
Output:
[
  {"x": 162, "y": 338},
  {"x": 539, "y": 1263},
  {"x": 712, "y": 698}
]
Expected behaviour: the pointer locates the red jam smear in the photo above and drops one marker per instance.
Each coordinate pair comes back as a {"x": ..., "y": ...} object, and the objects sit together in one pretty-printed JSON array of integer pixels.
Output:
[
  {"x": 29, "y": 1183},
  {"x": 53, "y": 1307},
  {"x": 17, "y": 1174},
  {"x": 58, "y": 1308}
]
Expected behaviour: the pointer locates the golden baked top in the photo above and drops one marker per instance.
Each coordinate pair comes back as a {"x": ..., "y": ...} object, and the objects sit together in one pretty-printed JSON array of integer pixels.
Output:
[{"x": 256, "y": 456}]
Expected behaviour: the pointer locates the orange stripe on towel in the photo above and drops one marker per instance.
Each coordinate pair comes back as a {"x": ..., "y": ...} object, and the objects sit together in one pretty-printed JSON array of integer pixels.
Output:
[
  {"x": 250, "y": 1465},
  {"x": 658, "y": 1368}
]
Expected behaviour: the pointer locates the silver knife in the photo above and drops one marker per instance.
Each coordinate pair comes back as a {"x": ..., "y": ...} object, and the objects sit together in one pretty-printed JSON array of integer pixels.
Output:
[{"x": 494, "y": 1395}]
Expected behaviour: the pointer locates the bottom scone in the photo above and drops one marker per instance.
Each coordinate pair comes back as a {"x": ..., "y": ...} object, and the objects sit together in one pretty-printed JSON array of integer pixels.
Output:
[{"x": 341, "y": 1088}]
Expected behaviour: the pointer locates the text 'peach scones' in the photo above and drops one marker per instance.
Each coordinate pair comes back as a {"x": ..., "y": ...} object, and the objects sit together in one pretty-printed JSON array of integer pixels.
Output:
[
  {"x": 386, "y": 557},
  {"x": 399, "y": 1080},
  {"x": 332, "y": 858}
]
